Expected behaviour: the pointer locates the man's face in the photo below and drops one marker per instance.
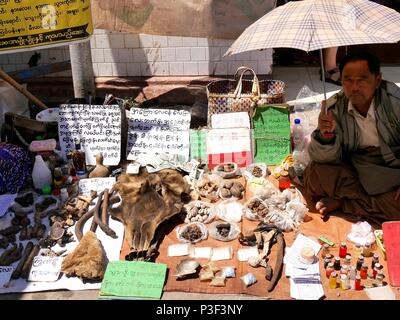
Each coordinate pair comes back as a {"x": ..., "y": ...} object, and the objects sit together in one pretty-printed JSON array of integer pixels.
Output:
[{"x": 359, "y": 84}]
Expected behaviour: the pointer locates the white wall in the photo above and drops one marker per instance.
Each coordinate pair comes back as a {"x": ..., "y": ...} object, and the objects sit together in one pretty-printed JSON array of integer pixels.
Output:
[{"x": 123, "y": 54}]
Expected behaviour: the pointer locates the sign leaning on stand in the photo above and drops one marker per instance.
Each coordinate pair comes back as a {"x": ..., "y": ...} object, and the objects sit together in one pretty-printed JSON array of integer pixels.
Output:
[{"x": 28, "y": 24}]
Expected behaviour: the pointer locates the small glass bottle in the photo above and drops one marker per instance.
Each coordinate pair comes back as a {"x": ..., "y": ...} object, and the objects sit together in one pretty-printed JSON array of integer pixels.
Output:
[
  {"x": 352, "y": 277},
  {"x": 284, "y": 180},
  {"x": 343, "y": 282},
  {"x": 336, "y": 264},
  {"x": 369, "y": 282},
  {"x": 343, "y": 250},
  {"x": 360, "y": 261},
  {"x": 343, "y": 269},
  {"x": 326, "y": 262},
  {"x": 358, "y": 283},
  {"x": 57, "y": 178},
  {"x": 357, "y": 249},
  {"x": 379, "y": 280},
  {"x": 329, "y": 270},
  {"x": 347, "y": 260},
  {"x": 333, "y": 280},
  {"x": 376, "y": 269},
  {"x": 79, "y": 158},
  {"x": 329, "y": 256},
  {"x": 364, "y": 271},
  {"x": 367, "y": 249},
  {"x": 375, "y": 259}
]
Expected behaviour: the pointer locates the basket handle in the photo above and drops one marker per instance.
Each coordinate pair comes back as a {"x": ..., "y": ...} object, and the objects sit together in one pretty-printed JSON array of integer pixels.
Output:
[{"x": 255, "y": 90}]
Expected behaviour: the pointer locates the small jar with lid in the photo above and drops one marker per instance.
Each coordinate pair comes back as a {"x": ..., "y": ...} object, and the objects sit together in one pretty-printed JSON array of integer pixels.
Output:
[
  {"x": 358, "y": 283},
  {"x": 347, "y": 260},
  {"x": 344, "y": 269},
  {"x": 357, "y": 249},
  {"x": 360, "y": 261},
  {"x": 336, "y": 264},
  {"x": 367, "y": 249},
  {"x": 376, "y": 269},
  {"x": 375, "y": 259},
  {"x": 343, "y": 250},
  {"x": 364, "y": 271},
  {"x": 379, "y": 280},
  {"x": 326, "y": 262},
  {"x": 284, "y": 180},
  {"x": 333, "y": 280},
  {"x": 329, "y": 269},
  {"x": 343, "y": 281}
]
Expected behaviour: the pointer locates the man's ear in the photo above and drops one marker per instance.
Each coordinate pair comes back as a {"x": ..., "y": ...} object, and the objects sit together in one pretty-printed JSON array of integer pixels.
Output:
[{"x": 378, "y": 80}]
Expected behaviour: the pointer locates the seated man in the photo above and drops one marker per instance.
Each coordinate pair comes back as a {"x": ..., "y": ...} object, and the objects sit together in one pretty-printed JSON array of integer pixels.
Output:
[{"x": 355, "y": 150}]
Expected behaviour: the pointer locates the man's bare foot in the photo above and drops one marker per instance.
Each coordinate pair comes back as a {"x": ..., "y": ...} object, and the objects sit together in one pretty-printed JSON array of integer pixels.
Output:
[{"x": 326, "y": 205}]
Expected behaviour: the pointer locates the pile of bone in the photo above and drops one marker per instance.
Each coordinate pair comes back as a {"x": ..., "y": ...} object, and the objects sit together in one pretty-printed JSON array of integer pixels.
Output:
[
  {"x": 257, "y": 172},
  {"x": 258, "y": 208},
  {"x": 231, "y": 189},
  {"x": 198, "y": 212},
  {"x": 208, "y": 189},
  {"x": 192, "y": 232}
]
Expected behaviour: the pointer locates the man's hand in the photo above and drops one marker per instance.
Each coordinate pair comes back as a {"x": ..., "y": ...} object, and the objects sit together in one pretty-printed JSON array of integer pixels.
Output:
[
  {"x": 326, "y": 122},
  {"x": 397, "y": 194}
]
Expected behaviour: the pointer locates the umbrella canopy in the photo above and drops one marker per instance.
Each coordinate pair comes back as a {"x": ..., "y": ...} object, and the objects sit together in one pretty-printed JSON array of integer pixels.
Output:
[{"x": 316, "y": 24}]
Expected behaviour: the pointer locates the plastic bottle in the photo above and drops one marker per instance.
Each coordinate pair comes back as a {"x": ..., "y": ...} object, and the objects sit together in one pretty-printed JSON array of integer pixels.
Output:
[
  {"x": 41, "y": 174},
  {"x": 298, "y": 147}
]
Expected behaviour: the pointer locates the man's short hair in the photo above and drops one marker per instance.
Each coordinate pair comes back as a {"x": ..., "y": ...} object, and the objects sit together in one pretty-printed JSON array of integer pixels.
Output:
[{"x": 374, "y": 65}]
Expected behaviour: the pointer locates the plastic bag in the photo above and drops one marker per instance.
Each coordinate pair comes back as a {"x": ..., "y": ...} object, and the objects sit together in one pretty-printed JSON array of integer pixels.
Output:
[
  {"x": 262, "y": 188},
  {"x": 192, "y": 232},
  {"x": 199, "y": 211},
  {"x": 229, "y": 189},
  {"x": 230, "y": 211},
  {"x": 41, "y": 204},
  {"x": 227, "y": 170},
  {"x": 255, "y": 209},
  {"x": 306, "y": 111},
  {"x": 28, "y": 197},
  {"x": 224, "y": 231},
  {"x": 255, "y": 170},
  {"x": 207, "y": 187},
  {"x": 361, "y": 233}
]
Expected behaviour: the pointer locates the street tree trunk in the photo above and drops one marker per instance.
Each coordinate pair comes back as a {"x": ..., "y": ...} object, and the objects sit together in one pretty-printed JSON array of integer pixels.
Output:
[{"x": 82, "y": 70}]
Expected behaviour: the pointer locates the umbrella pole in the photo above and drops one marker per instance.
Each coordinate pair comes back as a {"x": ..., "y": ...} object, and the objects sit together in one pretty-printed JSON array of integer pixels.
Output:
[{"x": 323, "y": 74}]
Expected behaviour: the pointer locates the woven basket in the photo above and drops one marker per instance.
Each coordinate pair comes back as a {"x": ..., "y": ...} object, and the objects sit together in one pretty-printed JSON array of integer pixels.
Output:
[{"x": 243, "y": 95}]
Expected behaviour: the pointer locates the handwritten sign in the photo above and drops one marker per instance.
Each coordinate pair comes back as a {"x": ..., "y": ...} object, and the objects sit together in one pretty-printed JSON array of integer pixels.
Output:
[
  {"x": 198, "y": 148},
  {"x": 5, "y": 275},
  {"x": 271, "y": 134},
  {"x": 95, "y": 184},
  {"x": 28, "y": 24},
  {"x": 45, "y": 269},
  {"x": 98, "y": 127},
  {"x": 230, "y": 120},
  {"x": 133, "y": 279},
  {"x": 158, "y": 131}
]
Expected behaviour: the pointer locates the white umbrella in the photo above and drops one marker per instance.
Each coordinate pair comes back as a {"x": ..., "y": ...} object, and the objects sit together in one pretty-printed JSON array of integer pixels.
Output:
[{"x": 316, "y": 24}]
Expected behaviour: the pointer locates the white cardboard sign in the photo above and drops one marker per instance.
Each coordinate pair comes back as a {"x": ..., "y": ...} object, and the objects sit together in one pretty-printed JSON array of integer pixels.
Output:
[
  {"x": 230, "y": 120},
  {"x": 98, "y": 127},
  {"x": 45, "y": 269},
  {"x": 95, "y": 184},
  {"x": 5, "y": 275},
  {"x": 158, "y": 131}
]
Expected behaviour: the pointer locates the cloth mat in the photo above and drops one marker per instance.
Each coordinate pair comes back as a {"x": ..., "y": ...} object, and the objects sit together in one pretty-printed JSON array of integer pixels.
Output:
[{"x": 334, "y": 229}]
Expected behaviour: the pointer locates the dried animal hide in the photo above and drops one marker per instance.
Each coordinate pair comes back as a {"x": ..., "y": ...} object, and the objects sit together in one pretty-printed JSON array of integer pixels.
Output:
[
  {"x": 88, "y": 260},
  {"x": 147, "y": 201}
]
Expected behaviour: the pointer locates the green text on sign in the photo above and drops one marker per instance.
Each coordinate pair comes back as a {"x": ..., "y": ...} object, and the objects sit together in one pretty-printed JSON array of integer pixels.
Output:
[
  {"x": 133, "y": 279},
  {"x": 271, "y": 134}
]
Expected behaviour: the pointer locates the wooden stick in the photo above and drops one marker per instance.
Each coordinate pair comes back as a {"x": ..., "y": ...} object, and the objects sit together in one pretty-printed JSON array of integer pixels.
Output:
[{"x": 21, "y": 89}]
